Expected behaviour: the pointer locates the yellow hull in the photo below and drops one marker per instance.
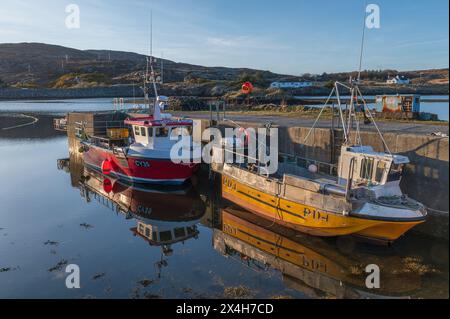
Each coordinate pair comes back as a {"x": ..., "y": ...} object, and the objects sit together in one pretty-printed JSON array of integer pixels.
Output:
[{"x": 310, "y": 220}]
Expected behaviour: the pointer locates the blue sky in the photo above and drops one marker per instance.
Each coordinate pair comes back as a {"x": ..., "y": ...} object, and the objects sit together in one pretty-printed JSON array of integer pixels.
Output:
[{"x": 285, "y": 36}]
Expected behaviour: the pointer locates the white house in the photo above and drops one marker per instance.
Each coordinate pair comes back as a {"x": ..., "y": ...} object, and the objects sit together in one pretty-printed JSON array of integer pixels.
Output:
[
  {"x": 399, "y": 79},
  {"x": 290, "y": 85}
]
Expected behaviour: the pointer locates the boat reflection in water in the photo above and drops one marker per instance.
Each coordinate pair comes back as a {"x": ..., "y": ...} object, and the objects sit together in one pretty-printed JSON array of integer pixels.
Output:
[
  {"x": 165, "y": 215},
  {"x": 313, "y": 266}
]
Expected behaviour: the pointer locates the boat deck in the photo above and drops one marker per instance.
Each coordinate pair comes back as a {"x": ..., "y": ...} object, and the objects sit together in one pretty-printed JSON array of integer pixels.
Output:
[{"x": 301, "y": 172}]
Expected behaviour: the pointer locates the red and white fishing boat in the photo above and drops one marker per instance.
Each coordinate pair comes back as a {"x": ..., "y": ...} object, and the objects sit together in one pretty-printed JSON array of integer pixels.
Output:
[{"x": 145, "y": 156}]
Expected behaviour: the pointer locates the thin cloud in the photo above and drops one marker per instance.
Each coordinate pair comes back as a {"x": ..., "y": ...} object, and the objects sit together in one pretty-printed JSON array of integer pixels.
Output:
[
  {"x": 244, "y": 42},
  {"x": 421, "y": 43}
]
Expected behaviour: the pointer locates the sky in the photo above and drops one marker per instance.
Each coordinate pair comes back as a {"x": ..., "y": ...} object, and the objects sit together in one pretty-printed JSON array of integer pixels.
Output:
[{"x": 284, "y": 36}]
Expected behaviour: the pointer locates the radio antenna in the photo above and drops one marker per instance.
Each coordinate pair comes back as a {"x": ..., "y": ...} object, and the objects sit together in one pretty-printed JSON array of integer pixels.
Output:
[
  {"x": 362, "y": 42},
  {"x": 151, "y": 59},
  {"x": 151, "y": 33}
]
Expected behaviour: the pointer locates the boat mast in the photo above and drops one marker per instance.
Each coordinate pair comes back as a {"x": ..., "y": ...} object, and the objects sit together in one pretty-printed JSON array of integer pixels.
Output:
[
  {"x": 355, "y": 97},
  {"x": 162, "y": 68},
  {"x": 150, "y": 61},
  {"x": 362, "y": 42},
  {"x": 352, "y": 114}
]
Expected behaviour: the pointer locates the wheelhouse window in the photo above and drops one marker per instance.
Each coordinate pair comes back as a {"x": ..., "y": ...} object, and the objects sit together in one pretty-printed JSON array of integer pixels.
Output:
[
  {"x": 162, "y": 132},
  {"x": 179, "y": 232},
  {"x": 396, "y": 172},
  {"x": 379, "y": 172},
  {"x": 165, "y": 236},
  {"x": 137, "y": 131},
  {"x": 191, "y": 230},
  {"x": 143, "y": 131},
  {"x": 366, "y": 168}
]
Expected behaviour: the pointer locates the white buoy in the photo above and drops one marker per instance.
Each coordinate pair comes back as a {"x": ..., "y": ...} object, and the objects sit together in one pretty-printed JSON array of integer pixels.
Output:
[{"x": 313, "y": 168}]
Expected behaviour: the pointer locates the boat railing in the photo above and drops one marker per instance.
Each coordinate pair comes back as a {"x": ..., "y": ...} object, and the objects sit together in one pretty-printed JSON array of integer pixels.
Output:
[
  {"x": 105, "y": 142},
  {"x": 100, "y": 198},
  {"x": 60, "y": 124},
  {"x": 322, "y": 167},
  {"x": 284, "y": 158},
  {"x": 96, "y": 127},
  {"x": 119, "y": 151},
  {"x": 109, "y": 124}
]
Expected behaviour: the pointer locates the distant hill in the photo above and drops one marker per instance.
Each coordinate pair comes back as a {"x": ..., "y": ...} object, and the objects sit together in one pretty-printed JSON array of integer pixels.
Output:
[
  {"x": 38, "y": 65},
  {"x": 43, "y": 65}
]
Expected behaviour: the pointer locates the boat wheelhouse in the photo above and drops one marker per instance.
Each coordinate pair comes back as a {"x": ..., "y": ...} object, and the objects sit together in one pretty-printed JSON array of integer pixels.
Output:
[
  {"x": 166, "y": 234},
  {"x": 157, "y": 137}
]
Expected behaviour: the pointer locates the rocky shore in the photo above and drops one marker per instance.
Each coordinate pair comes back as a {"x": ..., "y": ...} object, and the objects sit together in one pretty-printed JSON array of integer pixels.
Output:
[{"x": 213, "y": 89}]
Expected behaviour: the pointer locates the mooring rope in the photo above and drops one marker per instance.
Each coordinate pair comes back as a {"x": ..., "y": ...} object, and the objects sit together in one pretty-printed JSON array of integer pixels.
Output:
[
  {"x": 34, "y": 121},
  {"x": 437, "y": 210}
]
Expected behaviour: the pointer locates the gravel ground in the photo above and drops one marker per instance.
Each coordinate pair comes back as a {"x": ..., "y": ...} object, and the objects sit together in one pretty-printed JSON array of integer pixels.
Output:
[{"x": 388, "y": 126}]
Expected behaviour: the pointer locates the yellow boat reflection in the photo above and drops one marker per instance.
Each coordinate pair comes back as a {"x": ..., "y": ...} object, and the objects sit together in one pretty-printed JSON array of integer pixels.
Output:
[{"x": 310, "y": 265}]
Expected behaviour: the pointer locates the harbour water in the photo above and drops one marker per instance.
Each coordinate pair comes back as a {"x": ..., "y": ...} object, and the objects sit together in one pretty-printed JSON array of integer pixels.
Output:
[
  {"x": 55, "y": 212},
  {"x": 60, "y": 106},
  {"x": 441, "y": 108}
]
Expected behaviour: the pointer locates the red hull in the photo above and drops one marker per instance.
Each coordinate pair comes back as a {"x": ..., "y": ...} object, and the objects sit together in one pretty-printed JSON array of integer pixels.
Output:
[{"x": 140, "y": 170}]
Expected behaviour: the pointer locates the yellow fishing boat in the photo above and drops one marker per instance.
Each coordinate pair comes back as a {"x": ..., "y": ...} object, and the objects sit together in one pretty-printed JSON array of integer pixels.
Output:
[
  {"x": 364, "y": 199},
  {"x": 321, "y": 207}
]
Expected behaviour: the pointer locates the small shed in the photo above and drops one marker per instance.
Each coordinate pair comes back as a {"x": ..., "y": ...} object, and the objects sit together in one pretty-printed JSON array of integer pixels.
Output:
[{"x": 409, "y": 103}]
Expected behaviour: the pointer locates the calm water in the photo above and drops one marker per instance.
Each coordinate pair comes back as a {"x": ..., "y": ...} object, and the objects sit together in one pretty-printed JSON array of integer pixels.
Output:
[
  {"x": 60, "y": 106},
  {"x": 57, "y": 213},
  {"x": 105, "y": 104},
  {"x": 54, "y": 213}
]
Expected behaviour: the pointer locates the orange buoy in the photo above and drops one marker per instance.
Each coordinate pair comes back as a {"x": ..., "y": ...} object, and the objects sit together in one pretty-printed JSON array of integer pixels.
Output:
[
  {"x": 247, "y": 88},
  {"x": 106, "y": 167}
]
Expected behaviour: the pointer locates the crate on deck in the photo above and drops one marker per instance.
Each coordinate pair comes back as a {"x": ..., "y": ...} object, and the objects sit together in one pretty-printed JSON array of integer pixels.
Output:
[{"x": 117, "y": 133}]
